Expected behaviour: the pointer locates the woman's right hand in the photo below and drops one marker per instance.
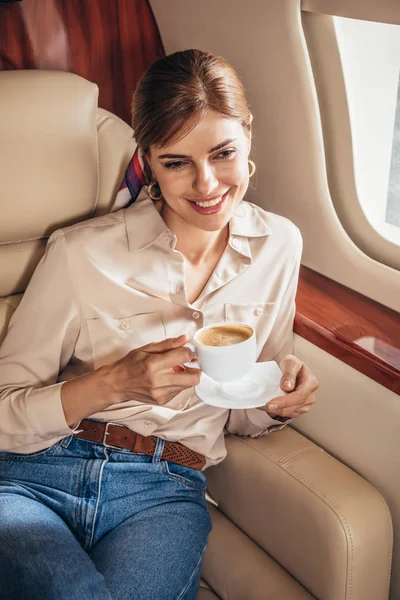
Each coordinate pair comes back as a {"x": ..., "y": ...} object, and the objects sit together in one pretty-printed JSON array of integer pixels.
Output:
[{"x": 151, "y": 374}]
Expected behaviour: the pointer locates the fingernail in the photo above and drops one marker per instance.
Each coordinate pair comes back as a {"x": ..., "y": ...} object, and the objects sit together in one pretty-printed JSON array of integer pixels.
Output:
[
  {"x": 273, "y": 406},
  {"x": 288, "y": 383}
]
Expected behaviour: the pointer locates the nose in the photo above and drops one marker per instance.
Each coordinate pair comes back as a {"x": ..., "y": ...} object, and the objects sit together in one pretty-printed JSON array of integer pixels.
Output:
[{"x": 205, "y": 181}]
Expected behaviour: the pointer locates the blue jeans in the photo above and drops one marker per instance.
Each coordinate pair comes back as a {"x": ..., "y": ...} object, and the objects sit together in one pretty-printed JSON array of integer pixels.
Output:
[{"x": 80, "y": 521}]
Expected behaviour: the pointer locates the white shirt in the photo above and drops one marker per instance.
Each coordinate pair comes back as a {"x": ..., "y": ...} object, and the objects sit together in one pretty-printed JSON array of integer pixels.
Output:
[{"x": 114, "y": 283}]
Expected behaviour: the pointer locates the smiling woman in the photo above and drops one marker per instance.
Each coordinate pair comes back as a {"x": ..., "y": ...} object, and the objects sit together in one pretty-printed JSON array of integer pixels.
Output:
[
  {"x": 195, "y": 151},
  {"x": 102, "y": 399}
]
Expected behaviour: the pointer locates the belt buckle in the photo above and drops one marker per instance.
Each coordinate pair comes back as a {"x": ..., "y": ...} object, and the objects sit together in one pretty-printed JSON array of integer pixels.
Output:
[{"x": 106, "y": 433}]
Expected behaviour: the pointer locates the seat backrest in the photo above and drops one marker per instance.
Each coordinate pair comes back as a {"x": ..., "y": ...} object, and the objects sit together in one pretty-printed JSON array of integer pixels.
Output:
[{"x": 63, "y": 160}]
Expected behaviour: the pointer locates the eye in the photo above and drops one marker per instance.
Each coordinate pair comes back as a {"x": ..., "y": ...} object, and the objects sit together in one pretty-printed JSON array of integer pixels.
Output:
[
  {"x": 230, "y": 152},
  {"x": 175, "y": 165}
]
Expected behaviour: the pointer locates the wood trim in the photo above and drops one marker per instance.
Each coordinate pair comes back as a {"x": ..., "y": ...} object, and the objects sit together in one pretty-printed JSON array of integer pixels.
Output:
[
  {"x": 109, "y": 43},
  {"x": 360, "y": 332}
]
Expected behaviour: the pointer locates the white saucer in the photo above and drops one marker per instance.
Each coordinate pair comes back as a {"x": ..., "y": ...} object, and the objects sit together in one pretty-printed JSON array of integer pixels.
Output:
[{"x": 257, "y": 388}]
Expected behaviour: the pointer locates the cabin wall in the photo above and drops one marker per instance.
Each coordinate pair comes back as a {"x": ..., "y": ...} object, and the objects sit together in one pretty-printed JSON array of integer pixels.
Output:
[
  {"x": 355, "y": 418},
  {"x": 265, "y": 42}
]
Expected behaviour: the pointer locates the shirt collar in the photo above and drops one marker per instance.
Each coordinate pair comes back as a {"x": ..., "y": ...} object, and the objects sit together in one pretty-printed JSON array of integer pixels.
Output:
[
  {"x": 145, "y": 225},
  {"x": 249, "y": 221}
]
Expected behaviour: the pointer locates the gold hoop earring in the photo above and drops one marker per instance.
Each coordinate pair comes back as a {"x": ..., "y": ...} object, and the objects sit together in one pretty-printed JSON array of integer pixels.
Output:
[
  {"x": 252, "y": 167},
  {"x": 150, "y": 194}
]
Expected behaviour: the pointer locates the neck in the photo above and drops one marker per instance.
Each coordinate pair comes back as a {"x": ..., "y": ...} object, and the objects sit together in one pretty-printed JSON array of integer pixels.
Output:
[{"x": 195, "y": 244}]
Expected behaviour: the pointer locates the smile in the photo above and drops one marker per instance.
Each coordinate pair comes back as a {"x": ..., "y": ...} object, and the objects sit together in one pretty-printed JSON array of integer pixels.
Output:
[
  {"x": 209, "y": 202},
  {"x": 211, "y": 206}
]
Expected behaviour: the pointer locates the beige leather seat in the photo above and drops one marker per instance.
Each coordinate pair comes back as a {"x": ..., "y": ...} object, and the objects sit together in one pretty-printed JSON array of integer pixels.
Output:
[{"x": 292, "y": 523}]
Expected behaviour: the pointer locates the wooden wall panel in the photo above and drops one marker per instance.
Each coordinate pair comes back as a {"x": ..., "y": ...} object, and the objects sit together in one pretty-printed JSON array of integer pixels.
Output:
[
  {"x": 355, "y": 329},
  {"x": 110, "y": 42}
]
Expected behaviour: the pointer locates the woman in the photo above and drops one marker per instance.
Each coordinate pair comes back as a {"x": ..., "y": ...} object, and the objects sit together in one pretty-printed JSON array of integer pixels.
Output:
[{"x": 103, "y": 440}]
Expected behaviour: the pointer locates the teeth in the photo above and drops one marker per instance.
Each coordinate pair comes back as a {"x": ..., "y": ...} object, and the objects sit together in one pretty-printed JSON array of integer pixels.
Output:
[{"x": 210, "y": 203}]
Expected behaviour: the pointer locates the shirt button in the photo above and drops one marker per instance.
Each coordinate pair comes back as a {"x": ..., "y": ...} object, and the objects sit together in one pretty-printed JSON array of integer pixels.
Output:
[
  {"x": 147, "y": 423},
  {"x": 195, "y": 314},
  {"x": 124, "y": 325},
  {"x": 258, "y": 311}
]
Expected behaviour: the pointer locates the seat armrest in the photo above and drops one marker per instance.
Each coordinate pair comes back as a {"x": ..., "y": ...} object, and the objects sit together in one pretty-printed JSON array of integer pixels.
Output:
[{"x": 326, "y": 525}]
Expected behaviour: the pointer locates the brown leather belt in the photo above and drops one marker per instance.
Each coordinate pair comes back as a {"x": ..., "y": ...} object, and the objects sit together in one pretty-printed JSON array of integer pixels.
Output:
[{"x": 113, "y": 435}]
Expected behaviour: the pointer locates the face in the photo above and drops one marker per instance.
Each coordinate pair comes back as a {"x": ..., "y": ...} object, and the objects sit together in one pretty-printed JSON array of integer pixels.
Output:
[{"x": 205, "y": 175}]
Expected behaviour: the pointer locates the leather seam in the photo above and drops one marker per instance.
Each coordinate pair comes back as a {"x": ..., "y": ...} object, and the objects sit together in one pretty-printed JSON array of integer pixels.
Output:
[{"x": 295, "y": 455}]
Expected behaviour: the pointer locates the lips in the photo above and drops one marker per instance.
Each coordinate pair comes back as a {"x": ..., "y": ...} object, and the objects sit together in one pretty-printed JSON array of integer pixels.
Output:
[{"x": 209, "y": 206}]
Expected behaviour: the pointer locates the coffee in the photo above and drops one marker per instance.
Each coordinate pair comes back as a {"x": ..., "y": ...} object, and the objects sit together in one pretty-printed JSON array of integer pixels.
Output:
[{"x": 225, "y": 335}]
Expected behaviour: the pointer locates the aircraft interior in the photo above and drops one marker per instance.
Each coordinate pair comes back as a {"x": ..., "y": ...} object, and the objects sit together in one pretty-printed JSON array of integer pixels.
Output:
[{"x": 311, "y": 511}]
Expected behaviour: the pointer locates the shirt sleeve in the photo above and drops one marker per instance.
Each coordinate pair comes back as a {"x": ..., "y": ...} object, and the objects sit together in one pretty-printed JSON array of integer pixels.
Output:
[
  {"x": 39, "y": 343},
  {"x": 253, "y": 422}
]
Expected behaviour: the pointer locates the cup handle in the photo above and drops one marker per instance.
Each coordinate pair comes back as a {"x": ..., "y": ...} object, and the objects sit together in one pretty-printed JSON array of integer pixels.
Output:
[{"x": 192, "y": 365}]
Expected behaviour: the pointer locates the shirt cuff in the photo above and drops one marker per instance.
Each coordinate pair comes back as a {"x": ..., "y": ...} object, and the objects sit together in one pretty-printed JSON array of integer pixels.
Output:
[
  {"x": 45, "y": 412},
  {"x": 264, "y": 421}
]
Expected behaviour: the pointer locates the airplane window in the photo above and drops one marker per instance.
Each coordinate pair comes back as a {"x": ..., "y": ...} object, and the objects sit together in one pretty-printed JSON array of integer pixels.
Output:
[{"x": 370, "y": 55}]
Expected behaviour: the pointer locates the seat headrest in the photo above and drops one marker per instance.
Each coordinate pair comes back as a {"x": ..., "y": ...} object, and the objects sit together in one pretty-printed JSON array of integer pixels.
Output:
[{"x": 49, "y": 171}]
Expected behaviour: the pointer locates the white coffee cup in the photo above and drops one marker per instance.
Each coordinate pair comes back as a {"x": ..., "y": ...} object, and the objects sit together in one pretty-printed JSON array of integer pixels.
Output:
[{"x": 225, "y": 363}]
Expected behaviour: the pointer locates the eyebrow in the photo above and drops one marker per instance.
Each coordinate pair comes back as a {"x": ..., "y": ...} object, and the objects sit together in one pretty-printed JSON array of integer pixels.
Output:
[{"x": 217, "y": 147}]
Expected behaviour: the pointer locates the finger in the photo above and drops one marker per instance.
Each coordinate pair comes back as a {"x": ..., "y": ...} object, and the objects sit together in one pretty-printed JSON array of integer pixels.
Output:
[
  {"x": 192, "y": 370},
  {"x": 169, "y": 359},
  {"x": 306, "y": 380},
  {"x": 183, "y": 380},
  {"x": 166, "y": 345},
  {"x": 181, "y": 369},
  {"x": 291, "y": 401},
  {"x": 293, "y": 409},
  {"x": 282, "y": 402},
  {"x": 291, "y": 367}
]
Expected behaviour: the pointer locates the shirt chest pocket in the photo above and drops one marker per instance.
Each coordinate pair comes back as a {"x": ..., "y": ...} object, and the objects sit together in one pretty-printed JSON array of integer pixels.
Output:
[
  {"x": 259, "y": 315},
  {"x": 112, "y": 338}
]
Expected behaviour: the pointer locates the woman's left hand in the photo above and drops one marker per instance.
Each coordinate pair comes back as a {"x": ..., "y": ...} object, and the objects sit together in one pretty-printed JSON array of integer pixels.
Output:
[{"x": 300, "y": 385}]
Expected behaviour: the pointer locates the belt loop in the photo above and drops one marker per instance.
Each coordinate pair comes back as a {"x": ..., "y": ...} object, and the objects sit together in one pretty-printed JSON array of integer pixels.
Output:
[
  {"x": 159, "y": 449},
  {"x": 66, "y": 441}
]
